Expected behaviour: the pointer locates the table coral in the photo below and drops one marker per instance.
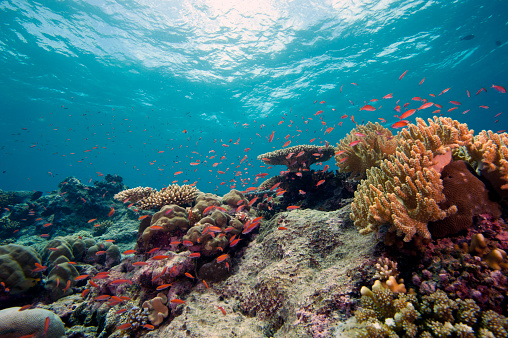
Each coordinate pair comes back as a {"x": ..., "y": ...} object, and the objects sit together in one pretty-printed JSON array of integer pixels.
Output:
[
  {"x": 148, "y": 198},
  {"x": 405, "y": 191},
  {"x": 376, "y": 143},
  {"x": 299, "y": 157}
]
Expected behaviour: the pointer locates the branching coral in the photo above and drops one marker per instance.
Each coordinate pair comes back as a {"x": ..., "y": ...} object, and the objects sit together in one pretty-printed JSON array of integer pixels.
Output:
[
  {"x": 385, "y": 314},
  {"x": 490, "y": 151},
  {"x": 299, "y": 157},
  {"x": 405, "y": 191},
  {"x": 364, "y": 147}
]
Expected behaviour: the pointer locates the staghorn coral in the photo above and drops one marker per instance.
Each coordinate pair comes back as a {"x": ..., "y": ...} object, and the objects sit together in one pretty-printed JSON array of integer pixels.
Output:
[
  {"x": 299, "y": 157},
  {"x": 376, "y": 144},
  {"x": 490, "y": 151},
  {"x": 405, "y": 191}
]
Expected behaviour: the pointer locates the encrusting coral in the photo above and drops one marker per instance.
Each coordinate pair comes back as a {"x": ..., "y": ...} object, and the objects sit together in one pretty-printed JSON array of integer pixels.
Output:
[
  {"x": 298, "y": 158},
  {"x": 405, "y": 191},
  {"x": 148, "y": 198},
  {"x": 364, "y": 147}
]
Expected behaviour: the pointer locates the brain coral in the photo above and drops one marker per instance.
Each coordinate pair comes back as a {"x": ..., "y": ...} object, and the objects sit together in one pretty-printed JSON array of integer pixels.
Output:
[
  {"x": 468, "y": 194},
  {"x": 376, "y": 143},
  {"x": 15, "y": 323},
  {"x": 16, "y": 265},
  {"x": 405, "y": 191}
]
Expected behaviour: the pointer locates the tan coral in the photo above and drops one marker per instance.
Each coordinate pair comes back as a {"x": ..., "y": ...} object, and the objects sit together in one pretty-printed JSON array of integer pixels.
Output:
[
  {"x": 406, "y": 189},
  {"x": 134, "y": 194},
  {"x": 376, "y": 144},
  {"x": 157, "y": 309},
  {"x": 490, "y": 151},
  {"x": 309, "y": 154},
  {"x": 173, "y": 194}
]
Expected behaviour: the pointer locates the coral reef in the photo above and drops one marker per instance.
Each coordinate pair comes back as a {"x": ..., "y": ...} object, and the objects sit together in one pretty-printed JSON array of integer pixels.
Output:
[
  {"x": 299, "y": 157},
  {"x": 405, "y": 191},
  {"x": 364, "y": 147},
  {"x": 31, "y": 322}
]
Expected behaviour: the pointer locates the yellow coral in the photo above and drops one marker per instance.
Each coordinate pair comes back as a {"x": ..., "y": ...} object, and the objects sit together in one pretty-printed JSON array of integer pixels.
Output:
[
  {"x": 376, "y": 144},
  {"x": 490, "y": 151},
  {"x": 406, "y": 189}
]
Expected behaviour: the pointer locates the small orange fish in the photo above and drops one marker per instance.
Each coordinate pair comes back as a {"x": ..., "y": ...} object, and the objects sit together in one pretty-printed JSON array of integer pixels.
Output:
[
  {"x": 24, "y": 307},
  {"x": 156, "y": 227},
  {"x": 499, "y": 88},
  {"x": 222, "y": 310},
  {"x": 85, "y": 292},
  {"x": 103, "y": 297},
  {"x": 189, "y": 275},
  {"x": 149, "y": 326},
  {"x": 320, "y": 182},
  {"x": 46, "y": 325},
  {"x": 195, "y": 255},
  {"x": 92, "y": 220},
  {"x": 399, "y": 124},
  {"x": 159, "y": 257},
  {"x": 111, "y": 212},
  {"x": 81, "y": 277},
  {"x": 407, "y": 113},
  {"x": 124, "y": 326},
  {"x": 222, "y": 258},
  {"x": 120, "y": 311},
  {"x": 163, "y": 286},
  {"x": 286, "y": 144},
  {"x": 403, "y": 74},
  {"x": 368, "y": 107},
  {"x": 293, "y": 207},
  {"x": 143, "y": 217},
  {"x": 129, "y": 252},
  {"x": 153, "y": 250},
  {"x": 177, "y": 301},
  {"x": 282, "y": 228},
  {"x": 139, "y": 263},
  {"x": 354, "y": 143},
  {"x": 204, "y": 282},
  {"x": 100, "y": 253}
]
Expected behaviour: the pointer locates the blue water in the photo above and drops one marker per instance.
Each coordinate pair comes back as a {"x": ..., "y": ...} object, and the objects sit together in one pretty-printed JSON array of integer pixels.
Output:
[{"x": 143, "y": 88}]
